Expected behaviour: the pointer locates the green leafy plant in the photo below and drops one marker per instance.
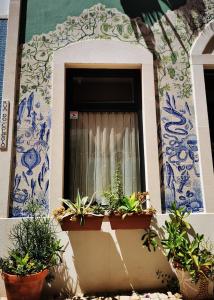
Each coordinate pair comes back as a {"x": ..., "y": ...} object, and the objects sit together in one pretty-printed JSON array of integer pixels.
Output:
[
  {"x": 115, "y": 195},
  {"x": 119, "y": 203},
  {"x": 20, "y": 265},
  {"x": 78, "y": 209},
  {"x": 186, "y": 249},
  {"x": 35, "y": 246},
  {"x": 136, "y": 203},
  {"x": 130, "y": 204}
]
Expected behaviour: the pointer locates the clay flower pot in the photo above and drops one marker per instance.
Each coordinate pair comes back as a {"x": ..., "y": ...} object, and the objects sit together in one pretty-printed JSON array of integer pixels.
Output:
[
  {"x": 24, "y": 287},
  {"x": 91, "y": 222},
  {"x": 131, "y": 221},
  {"x": 201, "y": 290}
]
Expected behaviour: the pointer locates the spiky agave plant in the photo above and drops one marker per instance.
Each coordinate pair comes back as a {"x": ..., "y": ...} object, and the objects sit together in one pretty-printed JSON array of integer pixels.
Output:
[{"x": 77, "y": 209}]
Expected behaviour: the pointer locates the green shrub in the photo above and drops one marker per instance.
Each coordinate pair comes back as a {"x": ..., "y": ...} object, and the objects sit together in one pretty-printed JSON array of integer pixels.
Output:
[{"x": 35, "y": 246}]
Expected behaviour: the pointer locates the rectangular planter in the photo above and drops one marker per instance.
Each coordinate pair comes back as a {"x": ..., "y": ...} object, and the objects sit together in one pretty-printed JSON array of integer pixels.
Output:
[
  {"x": 91, "y": 223},
  {"x": 134, "y": 221}
]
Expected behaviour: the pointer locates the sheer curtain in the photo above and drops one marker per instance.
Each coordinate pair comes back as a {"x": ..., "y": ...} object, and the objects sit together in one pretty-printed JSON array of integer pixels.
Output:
[{"x": 98, "y": 142}]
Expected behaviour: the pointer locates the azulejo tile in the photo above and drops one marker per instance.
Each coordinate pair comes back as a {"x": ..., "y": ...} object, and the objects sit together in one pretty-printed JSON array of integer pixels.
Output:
[{"x": 177, "y": 138}]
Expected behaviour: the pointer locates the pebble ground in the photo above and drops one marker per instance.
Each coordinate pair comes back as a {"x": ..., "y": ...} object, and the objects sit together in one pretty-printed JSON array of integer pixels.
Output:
[{"x": 147, "y": 296}]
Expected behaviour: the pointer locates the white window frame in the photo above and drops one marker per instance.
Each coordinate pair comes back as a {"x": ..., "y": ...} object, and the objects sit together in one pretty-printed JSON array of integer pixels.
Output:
[
  {"x": 200, "y": 61},
  {"x": 104, "y": 54}
]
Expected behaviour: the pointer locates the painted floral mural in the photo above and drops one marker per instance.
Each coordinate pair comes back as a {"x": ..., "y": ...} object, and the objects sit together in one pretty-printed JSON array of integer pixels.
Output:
[{"x": 169, "y": 38}]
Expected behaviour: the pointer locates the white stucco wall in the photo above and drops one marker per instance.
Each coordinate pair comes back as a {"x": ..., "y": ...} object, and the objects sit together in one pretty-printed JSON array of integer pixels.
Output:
[
  {"x": 107, "y": 260},
  {"x": 4, "y": 7},
  {"x": 93, "y": 261}
]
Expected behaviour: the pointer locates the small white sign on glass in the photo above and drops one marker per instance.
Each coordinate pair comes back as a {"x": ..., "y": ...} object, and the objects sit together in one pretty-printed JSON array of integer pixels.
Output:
[{"x": 73, "y": 115}]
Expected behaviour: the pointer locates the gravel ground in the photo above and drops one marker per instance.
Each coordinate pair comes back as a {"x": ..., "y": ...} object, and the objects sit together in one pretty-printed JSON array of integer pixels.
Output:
[{"x": 147, "y": 296}]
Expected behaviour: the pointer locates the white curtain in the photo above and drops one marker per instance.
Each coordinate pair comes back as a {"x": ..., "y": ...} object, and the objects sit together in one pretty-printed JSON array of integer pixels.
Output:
[{"x": 99, "y": 141}]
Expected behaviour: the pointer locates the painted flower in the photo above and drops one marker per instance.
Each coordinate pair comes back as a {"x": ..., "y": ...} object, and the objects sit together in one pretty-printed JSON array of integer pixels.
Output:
[{"x": 20, "y": 196}]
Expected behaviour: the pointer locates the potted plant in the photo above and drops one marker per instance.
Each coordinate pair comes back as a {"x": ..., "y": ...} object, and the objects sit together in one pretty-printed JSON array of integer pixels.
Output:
[
  {"x": 127, "y": 212},
  {"x": 35, "y": 250},
  {"x": 131, "y": 214},
  {"x": 190, "y": 256},
  {"x": 83, "y": 214}
]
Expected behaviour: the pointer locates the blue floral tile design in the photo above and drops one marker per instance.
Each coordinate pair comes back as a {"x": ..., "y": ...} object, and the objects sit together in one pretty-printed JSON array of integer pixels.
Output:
[
  {"x": 170, "y": 41},
  {"x": 32, "y": 158},
  {"x": 180, "y": 171}
]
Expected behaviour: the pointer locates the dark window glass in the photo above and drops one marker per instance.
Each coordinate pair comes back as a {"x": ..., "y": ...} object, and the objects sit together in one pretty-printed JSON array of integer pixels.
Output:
[
  {"x": 209, "y": 83},
  {"x": 103, "y": 126},
  {"x": 103, "y": 89}
]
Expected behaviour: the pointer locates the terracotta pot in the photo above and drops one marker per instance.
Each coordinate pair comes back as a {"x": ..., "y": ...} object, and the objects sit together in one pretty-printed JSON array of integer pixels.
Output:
[
  {"x": 202, "y": 289},
  {"x": 91, "y": 223},
  {"x": 24, "y": 287},
  {"x": 133, "y": 221}
]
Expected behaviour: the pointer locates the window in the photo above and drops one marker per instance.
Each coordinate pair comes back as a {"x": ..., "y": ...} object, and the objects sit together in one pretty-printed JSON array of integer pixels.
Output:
[
  {"x": 103, "y": 54},
  {"x": 103, "y": 123},
  {"x": 209, "y": 80}
]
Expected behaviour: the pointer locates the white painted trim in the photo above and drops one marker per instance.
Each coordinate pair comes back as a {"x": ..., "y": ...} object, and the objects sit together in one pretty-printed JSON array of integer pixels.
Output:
[
  {"x": 199, "y": 62},
  {"x": 3, "y": 17},
  {"x": 9, "y": 93},
  {"x": 203, "y": 59},
  {"x": 202, "y": 40},
  {"x": 106, "y": 54}
]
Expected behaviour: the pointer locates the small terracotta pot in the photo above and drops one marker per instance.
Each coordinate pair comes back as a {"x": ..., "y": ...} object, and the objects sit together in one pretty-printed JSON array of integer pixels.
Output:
[
  {"x": 24, "y": 287},
  {"x": 91, "y": 223},
  {"x": 133, "y": 221},
  {"x": 201, "y": 290}
]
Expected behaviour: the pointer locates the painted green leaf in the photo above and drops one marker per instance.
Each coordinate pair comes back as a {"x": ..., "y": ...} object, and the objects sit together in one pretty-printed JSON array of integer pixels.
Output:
[
  {"x": 24, "y": 88},
  {"x": 126, "y": 36},
  {"x": 173, "y": 58},
  {"x": 116, "y": 19},
  {"x": 105, "y": 27},
  {"x": 171, "y": 72},
  {"x": 120, "y": 29},
  {"x": 129, "y": 29}
]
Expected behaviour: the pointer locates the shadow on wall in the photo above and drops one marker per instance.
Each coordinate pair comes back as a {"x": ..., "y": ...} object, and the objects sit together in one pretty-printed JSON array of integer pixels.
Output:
[
  {"x": 60, "y": 284},
  {"x": 115, "y": 262},
  {"x": 195, "y": 24},
  {"x": 144, "y": 14},
  {"x": 97, "y": 262},
  {"x": 148, "y": 264},
  {"x": 141, "y": 265},
  {"x": 151, "y": 10}
]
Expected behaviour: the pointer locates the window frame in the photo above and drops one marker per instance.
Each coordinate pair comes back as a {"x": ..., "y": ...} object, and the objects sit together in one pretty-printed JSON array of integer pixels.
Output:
[
  {"x": 104, "y": 54},
  {"x": 200, "y": 60}
]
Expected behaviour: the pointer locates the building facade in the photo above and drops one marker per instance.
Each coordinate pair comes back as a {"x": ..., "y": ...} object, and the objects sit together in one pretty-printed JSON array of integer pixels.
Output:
[{"x": 169, "y": 45}]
